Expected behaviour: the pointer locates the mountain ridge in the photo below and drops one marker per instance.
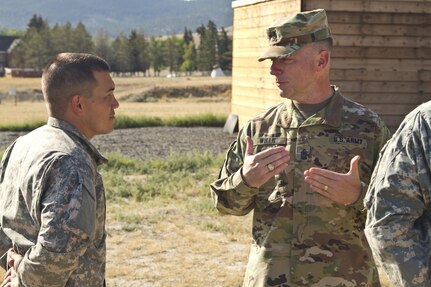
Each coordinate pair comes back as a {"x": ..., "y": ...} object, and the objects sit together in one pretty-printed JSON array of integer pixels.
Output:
[{"x": 155, "y": 18}]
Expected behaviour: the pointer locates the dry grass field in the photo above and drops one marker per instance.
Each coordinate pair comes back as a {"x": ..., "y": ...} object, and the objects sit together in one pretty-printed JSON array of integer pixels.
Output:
[
  {"x": 167, "y": 245},
  {"x": 25, "y": 111}
]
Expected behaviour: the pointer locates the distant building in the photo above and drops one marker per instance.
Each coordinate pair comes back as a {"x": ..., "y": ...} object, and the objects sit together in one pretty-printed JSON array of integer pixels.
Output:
[
  {"x": 7, "y": 43},
  {"x": 22, "y": 73}
]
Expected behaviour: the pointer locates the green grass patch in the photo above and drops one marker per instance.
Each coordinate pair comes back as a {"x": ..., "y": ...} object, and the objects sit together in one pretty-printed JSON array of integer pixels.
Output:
[
  {"x": 204, "y": 120},
  {"x": 23, "y": 127},
  {"x": 181, "y": 177},
  {"x": 124, "y": 122}
]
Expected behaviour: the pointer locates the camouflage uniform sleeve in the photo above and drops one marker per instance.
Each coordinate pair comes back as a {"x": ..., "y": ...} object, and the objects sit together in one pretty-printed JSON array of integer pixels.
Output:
[
  {"x": 397, "y": 201},
  {"x": 382, "y": 135},
  {"x": 67, "y": 222},
  {"x": 5, "y": 242},
  {"x": 231, "y": 194}
]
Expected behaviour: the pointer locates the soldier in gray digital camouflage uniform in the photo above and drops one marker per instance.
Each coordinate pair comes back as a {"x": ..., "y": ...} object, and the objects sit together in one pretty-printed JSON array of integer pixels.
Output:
[
  {"x": 52, "y": 200},
  {"x": 303, "y": 166},
  {"x": 398, "y": 201}
]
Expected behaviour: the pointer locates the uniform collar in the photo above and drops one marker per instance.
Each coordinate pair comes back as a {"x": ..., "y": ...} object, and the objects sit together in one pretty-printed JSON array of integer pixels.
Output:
[
  {"x": 70, "y": 129},
  {"x": 329, "y": 115}
]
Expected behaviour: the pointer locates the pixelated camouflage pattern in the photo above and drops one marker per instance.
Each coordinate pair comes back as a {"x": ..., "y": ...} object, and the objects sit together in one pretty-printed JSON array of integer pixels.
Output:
[
  {"x": 398, "y": 202},
  {"x": 288, "y": 34},
  {"x": 301, "y": 238},
  {"x": 52, "y": 207}
]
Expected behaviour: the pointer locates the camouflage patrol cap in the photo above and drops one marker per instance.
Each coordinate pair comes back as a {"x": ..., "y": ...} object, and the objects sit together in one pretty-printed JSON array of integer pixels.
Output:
[{"x": 288, "y": 35}]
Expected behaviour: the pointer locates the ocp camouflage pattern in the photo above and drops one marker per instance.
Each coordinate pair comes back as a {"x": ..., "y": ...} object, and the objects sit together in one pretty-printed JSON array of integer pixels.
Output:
[
  {"x": 398, "y": 202},
  {"x": 52, "y": 207},
  {"x": 301, "y": 238}
]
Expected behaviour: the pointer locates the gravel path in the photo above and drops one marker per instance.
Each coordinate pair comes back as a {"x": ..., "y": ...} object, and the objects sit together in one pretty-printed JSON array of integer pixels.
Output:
[{"x": 153, "y": 142}]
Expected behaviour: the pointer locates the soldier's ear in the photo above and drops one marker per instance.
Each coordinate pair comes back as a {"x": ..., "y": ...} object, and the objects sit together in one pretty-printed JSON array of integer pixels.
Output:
[
  {"x": 76, "y": 104},
  {"x": 323, "y": 60}
]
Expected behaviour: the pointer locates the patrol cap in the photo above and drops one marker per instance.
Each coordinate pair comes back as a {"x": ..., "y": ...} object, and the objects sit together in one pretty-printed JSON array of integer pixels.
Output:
[{"x": 288, "y": 35}]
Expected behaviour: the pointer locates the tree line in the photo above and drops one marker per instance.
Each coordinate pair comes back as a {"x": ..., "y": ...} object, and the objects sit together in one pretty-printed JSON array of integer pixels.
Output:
[{"x": 127, "y": 54}]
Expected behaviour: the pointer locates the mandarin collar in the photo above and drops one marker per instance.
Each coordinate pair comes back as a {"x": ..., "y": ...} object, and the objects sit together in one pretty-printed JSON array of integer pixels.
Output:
[
  {"x": 67, "y": 127},
  {"x": 330, "y": 115}
]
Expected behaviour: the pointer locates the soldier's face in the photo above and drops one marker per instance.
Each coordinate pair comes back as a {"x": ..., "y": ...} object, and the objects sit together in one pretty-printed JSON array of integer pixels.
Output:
[
  {"x": 99, "y": 109},
  {"x": 294, "y": 75}
]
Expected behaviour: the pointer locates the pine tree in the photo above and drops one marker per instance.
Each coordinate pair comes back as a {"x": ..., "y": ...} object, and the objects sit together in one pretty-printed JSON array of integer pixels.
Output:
[
  {"x": 187, "y": 36},
  {"x": 37, "y": 23},
  {"x": 175, "y": 51},
  {"x": 102, "y": 45},
  {"x": 134, "y": 53},
  {"x": 224, "y": 51},
  {"x": 35, "y": 48},
  {"x": 120, "y": 55},
  {"x": 157, "y": 55},
  {"x": 207, "y": 51},
  {"x": 189, "y": 59},
  {"x": 81, "y": 40}
]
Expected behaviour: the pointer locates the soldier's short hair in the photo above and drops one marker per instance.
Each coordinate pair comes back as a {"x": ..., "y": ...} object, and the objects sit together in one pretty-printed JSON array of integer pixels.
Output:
[{"x": 69, "y": 74}]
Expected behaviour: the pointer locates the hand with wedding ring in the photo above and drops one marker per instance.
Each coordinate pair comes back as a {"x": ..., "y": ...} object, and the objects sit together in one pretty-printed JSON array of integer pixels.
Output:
[
  {"x": 342, "y": 188},
  {"x": 260, "y": 167},
  {"x": 270, "y": 167}
]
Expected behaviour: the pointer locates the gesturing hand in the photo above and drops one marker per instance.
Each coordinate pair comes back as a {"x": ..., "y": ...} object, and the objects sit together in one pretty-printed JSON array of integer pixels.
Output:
[
  {"x": 11, "y": 277},
  {"x": 341, "y": 188},
  {"x": 259, "y": 168}
]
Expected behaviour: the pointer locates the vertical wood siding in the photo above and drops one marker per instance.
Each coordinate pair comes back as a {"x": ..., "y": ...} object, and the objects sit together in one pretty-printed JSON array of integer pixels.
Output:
[
  {"x": 253, "y": 88},
  {"x": 381, "y": 58}
]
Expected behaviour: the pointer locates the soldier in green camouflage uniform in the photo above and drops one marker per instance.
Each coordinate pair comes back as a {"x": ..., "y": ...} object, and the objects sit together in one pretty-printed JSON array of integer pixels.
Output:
[
  {"x": 302, "y": 166},
  {"x": 398, "y": 201},
  {"x": 52, "y": 200}
]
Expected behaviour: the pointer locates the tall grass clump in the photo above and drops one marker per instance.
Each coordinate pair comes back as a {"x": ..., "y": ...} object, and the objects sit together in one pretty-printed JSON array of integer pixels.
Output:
[
  {"x": 22, "y": 127},
  {"x": 204, "y": 120},
  {"x": 124, "y": 122},
  {"x": 179, "y": 177}
]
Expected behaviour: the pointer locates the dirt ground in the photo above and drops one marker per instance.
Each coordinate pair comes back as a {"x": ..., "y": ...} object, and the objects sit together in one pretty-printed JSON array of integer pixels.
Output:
[{"x": 153, "y": 142}]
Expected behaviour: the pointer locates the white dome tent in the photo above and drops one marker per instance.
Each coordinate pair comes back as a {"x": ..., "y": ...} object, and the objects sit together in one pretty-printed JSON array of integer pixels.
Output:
[{"x": 217, "y": 72}]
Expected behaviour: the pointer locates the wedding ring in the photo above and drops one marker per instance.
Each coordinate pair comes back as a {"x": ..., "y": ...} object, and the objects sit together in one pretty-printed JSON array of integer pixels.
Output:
[
  {"x": 326, "y": 188},
  {"x": 270, "y": 167}
]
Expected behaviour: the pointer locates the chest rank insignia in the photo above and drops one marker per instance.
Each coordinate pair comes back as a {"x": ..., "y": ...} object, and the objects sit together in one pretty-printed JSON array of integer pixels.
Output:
[{"x": 266, "y": 141}]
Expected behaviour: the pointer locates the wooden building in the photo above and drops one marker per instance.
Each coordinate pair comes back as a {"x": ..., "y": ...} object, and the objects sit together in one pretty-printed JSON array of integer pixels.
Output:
[
  {"x": 22, "y": 73},
  {"x": 7, "y": 43},
  {"x": 381, "y": 57}
]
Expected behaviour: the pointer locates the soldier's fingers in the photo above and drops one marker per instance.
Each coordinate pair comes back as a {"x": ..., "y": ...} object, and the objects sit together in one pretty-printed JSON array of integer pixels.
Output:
[
  {"x": 318, "y": 180},
  {"x": 281, "y": 161},
  {"x": 249, "y": 146},
  {"x": 5, "y": 282},
  {"x": 277, "y": 158},
  {"x": 8, "y": 274},
  {"x": 326, "y": 190},
  {"x": 322, "y": 172},
  {"x": 274, "y": 162},
  {"x": 279, "y": 168},
  {"x": 270, "y": 151}
]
